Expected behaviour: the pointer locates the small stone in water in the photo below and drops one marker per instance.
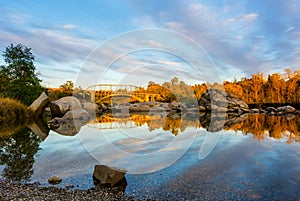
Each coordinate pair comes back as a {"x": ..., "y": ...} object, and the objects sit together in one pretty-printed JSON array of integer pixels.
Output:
[
  {"x": 69, "y": 186},
  {"x": 54, "y": 180}
]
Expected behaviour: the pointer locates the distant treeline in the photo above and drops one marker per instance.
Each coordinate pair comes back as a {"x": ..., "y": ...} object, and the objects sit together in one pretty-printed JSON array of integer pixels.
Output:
[{"x": 276, "y": 89}]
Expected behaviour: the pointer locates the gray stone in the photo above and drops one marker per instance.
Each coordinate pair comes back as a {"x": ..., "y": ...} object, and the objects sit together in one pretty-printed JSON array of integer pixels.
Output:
[
  {"x": 255, "y": 110},
  {"x": 54, "y": 180},
  {"x": 139, "y": 108},
  {"x": 91, "y": 108},
  {"x": 220, "y": 101},
  {"x": 63, "y": 105},
  {"x": 288, "y": 109},
  {"x": 108, "y": 176},
  {"x": 271, "y": 109},
  {"x": 38, "y": 106},
  {"x": 174, "y": 105}
]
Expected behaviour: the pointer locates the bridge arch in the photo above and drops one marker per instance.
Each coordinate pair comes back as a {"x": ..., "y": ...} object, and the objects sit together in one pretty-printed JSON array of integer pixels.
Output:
[{"x": 119, "y": 95}]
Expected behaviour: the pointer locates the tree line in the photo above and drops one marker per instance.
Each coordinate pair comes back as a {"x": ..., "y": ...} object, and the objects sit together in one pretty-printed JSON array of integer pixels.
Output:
[{"x": 276, "y": 88}]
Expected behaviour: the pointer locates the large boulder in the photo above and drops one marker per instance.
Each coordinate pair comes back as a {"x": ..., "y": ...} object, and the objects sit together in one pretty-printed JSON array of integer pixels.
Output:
[
  {"x": 286, "y": 109},
  {"x": 63, "y": 105},
  {"x": 220, "y": 101},
  {"x": 91, "y": 108},
  {"x": 174, "y": 105},
  {"x": 108, "y": 177},
  {"x": 38, "y": 106},
  {"x": 139, "y": 107}
]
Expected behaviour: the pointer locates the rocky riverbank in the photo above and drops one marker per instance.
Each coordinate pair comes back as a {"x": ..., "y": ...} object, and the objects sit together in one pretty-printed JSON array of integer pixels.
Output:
[{"x": 14, "y": 191}]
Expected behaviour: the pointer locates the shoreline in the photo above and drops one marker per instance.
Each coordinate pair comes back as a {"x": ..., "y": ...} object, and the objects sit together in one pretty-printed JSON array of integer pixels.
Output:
[{"x": 34, "y": 191}]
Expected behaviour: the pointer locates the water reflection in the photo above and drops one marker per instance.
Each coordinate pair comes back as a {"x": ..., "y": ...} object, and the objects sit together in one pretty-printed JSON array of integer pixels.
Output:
[
  {"x": 17, "y": 154},
  {"x": 19, "y": 143},
  {"x": 259, "y": 125}
]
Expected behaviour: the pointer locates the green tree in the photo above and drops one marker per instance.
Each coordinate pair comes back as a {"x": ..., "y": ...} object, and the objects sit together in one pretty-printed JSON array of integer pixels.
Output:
[{"x": 18, "y": 78}]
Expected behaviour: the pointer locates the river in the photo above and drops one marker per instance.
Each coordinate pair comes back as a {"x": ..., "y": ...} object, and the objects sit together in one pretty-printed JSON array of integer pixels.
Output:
[{"x": 255, "y": 157}]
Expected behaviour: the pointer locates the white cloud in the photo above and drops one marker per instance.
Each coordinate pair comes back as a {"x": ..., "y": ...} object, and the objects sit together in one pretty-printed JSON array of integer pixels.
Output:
[
  {"x": 290, "y": 29},
  {"x": 69, "y": 26},
  {"x": 249, "y": 17}
]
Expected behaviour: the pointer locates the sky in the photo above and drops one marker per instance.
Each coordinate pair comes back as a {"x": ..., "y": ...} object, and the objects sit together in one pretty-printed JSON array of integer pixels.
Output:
[{"x": 135, "y": 41}]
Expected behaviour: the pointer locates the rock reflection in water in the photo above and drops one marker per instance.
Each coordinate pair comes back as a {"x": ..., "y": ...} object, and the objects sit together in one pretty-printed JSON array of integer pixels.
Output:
[
  {"x": 71, "y": 123},
  {"x": 259, "y": 125}
]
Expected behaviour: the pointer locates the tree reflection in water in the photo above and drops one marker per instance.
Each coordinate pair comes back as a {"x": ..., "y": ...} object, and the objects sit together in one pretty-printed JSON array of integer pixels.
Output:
[
  {"x": 277, "y": 127},
  {"x": 17, "y": 153},
  {"x": 259, "y": 125}
]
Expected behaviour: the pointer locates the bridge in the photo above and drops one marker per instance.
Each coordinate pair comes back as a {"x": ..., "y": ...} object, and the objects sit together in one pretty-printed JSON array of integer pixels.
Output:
[{"x": 99, "y": 93}]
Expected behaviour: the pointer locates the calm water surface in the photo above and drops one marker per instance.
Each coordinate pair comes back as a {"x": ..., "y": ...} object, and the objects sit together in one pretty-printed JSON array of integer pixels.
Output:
[{"x": 255, "y": 157}]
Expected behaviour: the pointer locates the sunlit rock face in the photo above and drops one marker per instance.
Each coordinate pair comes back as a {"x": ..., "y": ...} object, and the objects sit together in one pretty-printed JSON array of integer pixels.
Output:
[
  {"x": 39, "y": 105},
  {"x": 220, "y": 101}
]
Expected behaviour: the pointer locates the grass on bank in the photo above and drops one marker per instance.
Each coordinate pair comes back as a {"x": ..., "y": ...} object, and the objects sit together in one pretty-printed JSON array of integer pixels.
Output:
[
  {"x": 10, "y": 108},
  {"x": 13, "y": 116}
]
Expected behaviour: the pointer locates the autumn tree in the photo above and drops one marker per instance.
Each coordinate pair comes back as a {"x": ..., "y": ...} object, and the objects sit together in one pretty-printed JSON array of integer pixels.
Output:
[
  {"x": 256, "y": 88},
  {"x": 67, "y": 87}
]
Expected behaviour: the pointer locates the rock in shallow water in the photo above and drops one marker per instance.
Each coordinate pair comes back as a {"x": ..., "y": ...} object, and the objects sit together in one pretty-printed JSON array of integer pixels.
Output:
[{"x": 54, "y": 180}]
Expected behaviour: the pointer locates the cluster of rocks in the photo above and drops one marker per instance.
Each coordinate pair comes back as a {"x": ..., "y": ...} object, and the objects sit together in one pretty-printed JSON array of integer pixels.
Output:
[
  {"x": 156, "y": 107},
  {"x": 146, "y": 107},
  {"x": 218, "y": 101},
  {"x": 68, "y": 114},
  {"x": 276, "y": 111}
]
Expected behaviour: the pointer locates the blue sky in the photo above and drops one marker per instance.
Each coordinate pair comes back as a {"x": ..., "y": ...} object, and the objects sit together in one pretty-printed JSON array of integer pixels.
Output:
[{"x": 241, "y": 37}]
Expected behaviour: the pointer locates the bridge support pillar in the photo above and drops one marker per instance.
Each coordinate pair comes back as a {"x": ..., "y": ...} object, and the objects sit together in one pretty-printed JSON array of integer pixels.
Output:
[
  {"x": 92, "y": 95},
  {"x": 146, "y": 99}
]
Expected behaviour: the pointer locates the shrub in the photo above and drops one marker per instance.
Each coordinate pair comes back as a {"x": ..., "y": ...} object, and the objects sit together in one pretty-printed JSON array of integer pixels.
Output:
[{"x": 10, "y": 108}]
